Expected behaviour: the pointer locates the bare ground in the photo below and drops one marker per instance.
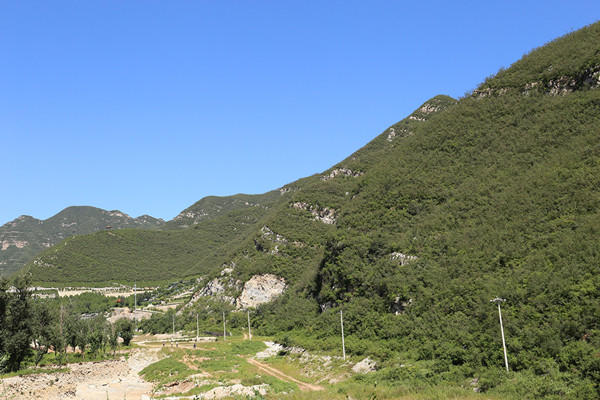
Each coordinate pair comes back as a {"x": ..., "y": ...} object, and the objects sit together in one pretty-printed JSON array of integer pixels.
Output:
[{"x": 114, "y": 379}]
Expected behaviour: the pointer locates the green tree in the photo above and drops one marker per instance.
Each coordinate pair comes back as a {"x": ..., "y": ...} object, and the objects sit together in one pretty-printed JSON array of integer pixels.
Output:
[
  {"x": 113, "y": 338},
  {"x": 125, "y": 329},
  {"x": 82, "y": 335},
  {"x": 42, "y": 328},
  {"x": 17, "y": 323},
  {"x": 97, "y": 334}
]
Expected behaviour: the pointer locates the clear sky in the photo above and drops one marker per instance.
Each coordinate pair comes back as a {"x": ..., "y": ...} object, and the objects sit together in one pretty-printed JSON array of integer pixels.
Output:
[{"x": 148, "y": 106}]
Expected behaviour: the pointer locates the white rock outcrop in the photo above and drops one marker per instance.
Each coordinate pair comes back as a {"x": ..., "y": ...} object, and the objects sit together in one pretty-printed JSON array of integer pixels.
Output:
[
  {"x": 393, "y": 133},
  {"x": 325, "y": 215},
  {"x": 402, "y": 258},
  {"x": 19, "y": 244},
  {"x": 218, "y": 287},
  {"x": 260, "y": 289},
  {"x": 268, "y": 234},
  {"x": 341, "y": 172},
  {"x": 365, "y": 366},
  {"x": 272, "y": 350}
]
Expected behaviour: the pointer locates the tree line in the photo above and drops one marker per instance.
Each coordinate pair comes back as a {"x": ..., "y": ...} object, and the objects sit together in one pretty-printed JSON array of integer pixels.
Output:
[{"x": 30, "y": 328}]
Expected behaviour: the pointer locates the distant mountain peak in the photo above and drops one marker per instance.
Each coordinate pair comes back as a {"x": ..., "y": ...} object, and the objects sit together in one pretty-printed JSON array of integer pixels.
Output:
[{"x": 25, "y": 236}]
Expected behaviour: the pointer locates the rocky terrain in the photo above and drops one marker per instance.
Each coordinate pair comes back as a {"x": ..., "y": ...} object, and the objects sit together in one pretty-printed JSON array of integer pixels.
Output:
[{"x": 115, "y": 379}]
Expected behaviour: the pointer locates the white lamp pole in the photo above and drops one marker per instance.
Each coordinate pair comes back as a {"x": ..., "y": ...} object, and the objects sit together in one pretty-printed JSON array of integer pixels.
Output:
[
  {"x": 249, "y": 331},
  {"x": 498, "y": 300},
  {"x": 343, "y": 344}
]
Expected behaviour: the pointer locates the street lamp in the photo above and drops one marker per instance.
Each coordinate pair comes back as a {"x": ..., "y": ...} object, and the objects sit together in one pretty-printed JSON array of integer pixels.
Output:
[
  {"x": 498, "y": 300},
  {"x": 342, "y": 325}
]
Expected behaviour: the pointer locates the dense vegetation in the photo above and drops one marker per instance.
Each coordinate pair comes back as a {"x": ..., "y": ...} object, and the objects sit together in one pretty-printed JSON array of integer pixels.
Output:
[
  {"x": 495, "y": 195},
  {"x": 569, "y": 56},
  {"x": 148, "y": 256},
  {"x": 31, "y": 327},
  {"x": 25, "y": 237},
  {"x": 211, "y": 207}
]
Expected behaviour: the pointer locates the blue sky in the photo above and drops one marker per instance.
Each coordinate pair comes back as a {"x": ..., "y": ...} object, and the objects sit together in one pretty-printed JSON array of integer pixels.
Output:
[{"x": 148, "y": 106}]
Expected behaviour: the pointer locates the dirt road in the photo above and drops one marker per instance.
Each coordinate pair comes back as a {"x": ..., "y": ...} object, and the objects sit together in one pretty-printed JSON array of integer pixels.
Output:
[{"x": 267, "y": 369}]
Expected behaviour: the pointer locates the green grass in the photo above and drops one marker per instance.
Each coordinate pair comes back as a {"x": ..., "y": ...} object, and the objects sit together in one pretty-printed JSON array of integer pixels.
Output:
[{"x": 165, "y": 371}]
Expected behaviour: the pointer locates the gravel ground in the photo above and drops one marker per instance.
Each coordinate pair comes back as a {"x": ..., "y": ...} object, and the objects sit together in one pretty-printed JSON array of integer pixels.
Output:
[{"x": 114, "y": 379}]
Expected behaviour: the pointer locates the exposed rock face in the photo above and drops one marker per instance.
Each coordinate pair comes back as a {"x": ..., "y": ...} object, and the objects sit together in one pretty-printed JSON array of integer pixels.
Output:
[
  {"x": 260, "y": 289},
  {"x": 212, "y": 288},
  {"x": 195, "y": 216},
  {"x": 391, "y": 134},
  {"x": 559, "y": 86},
  {"x": 324, "y": 214},
  {"x": 397, "y": 132},
  {"x": 402, "y": 258},
  {"x": 432, "y": 106},
  {"x": 19, "y": 244},
  {"x": 341, "y": 172},
  {"x": 429, "y": 108},
  {"x": 365, "y": 366},
  {"x": 220, "y": 288},
  {"x": 486, "y": 92},
  {"x": 268, "y": 234}
]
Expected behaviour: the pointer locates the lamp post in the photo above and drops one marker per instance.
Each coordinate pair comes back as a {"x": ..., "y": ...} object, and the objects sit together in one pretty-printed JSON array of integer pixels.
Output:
[
  {"x": 249, "y": 331},
  {"x": 342, "y": 325},
  {"x": 498, "y": 300}
]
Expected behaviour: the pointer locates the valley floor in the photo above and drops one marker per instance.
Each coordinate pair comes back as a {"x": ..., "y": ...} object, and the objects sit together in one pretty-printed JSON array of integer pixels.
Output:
[
  {"x": 112, "y": 379},
  {"x": 157, "y": 368}
]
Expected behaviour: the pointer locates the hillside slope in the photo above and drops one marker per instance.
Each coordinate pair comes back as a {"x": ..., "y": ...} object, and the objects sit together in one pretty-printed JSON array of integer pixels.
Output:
[
  {"x": 25, "y": 237},
  {"x": 215, "y": 206},
  {"x": 497, "y": 194},
  {"x": 146, "y": 256}
]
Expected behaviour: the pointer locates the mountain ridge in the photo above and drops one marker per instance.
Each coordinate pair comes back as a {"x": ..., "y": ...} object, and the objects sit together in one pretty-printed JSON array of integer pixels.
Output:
[
  {"x": 494, "y": 195},
  {"x": 24, "y": 237}
]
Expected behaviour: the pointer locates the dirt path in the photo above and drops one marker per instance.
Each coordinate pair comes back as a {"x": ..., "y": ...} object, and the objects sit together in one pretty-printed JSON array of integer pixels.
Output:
[{"x": 267, "y": 369}]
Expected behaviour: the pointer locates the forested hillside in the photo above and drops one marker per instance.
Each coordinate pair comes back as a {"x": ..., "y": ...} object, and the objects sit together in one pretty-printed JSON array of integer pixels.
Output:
[
  {"x": 496, "y": 194},
  {"x": 146, "y": 256},
  {"x": 25, "y": 237}
]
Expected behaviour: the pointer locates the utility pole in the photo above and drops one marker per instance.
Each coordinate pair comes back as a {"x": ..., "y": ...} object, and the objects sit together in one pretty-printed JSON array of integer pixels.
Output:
[
  {"x": 62, "y": 310},
  {"x": 135, "y": 305},
  {"x": 197, "y": 329},
  {"x": 342, "y": 324},
  {"x": 173, "y": 325},
  {"x": 498, "y": 300},
  {"x": 249, "y": 331},
  {"x": 224, "y": 332}
]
